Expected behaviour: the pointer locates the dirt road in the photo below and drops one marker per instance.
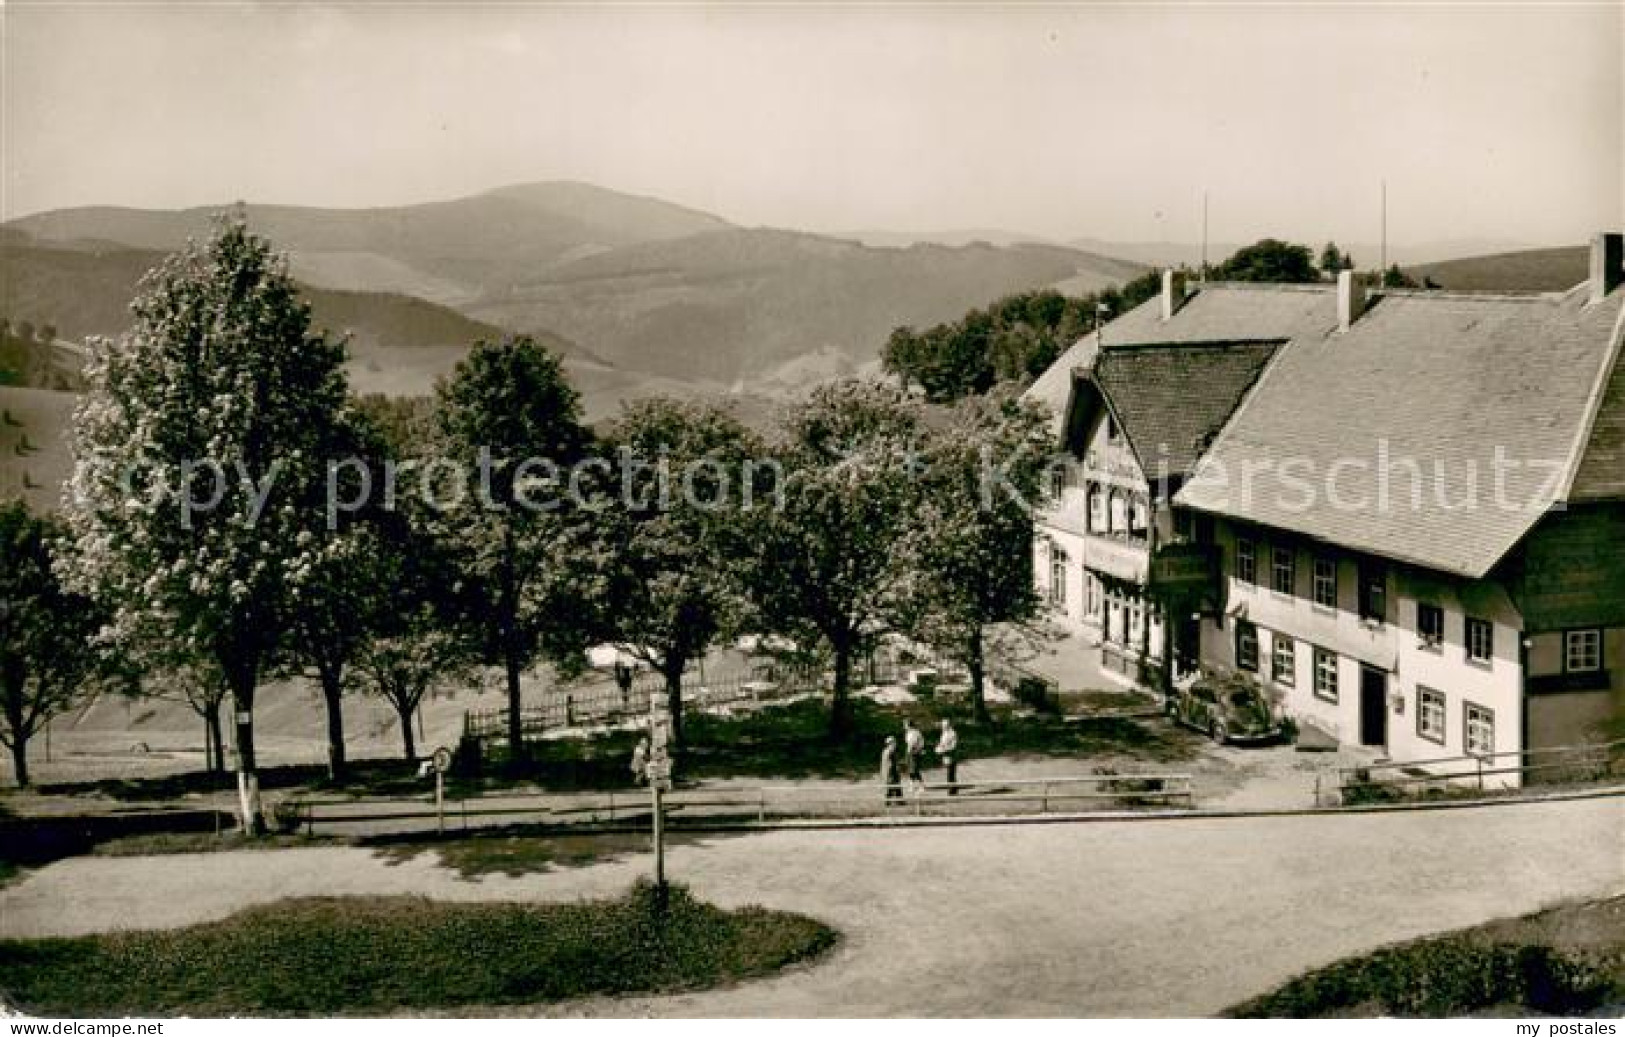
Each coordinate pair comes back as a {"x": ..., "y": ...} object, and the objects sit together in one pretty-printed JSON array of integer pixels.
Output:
[{"x": 1161, "y": 918}]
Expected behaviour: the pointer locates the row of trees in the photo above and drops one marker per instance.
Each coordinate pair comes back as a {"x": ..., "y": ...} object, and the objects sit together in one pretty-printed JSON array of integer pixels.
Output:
[
  {"x": 1017, "y": 338},
  {"x": 1014, "y": 340},
  {"x": 234, "y": 516}
]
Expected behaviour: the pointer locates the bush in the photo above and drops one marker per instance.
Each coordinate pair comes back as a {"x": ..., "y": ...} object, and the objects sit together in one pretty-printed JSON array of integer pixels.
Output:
[
  {"x": 1447, "y": 976},
  {"x": 323, "y": 956}
]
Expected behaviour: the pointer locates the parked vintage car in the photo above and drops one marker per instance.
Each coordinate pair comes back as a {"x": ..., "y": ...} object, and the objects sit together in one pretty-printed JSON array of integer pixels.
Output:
[{"x": 1228, "y": 707}]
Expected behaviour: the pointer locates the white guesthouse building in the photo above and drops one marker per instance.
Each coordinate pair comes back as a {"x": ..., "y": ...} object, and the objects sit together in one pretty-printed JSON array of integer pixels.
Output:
[{"x": 1412, "y": 508}]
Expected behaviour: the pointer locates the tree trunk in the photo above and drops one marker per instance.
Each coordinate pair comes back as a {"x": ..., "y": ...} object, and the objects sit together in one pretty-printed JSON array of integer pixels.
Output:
[
  {"x": 516, "y": 725},
  {"x": 217, "y": 747},
  {"x": 408, "y": 738},
  {"x": 333, "y": 694},
  {"x": 517, "y": 752},
  {"x": 11, "y": 687},
  {"x": 251, "y": 814},
  {"x": 840, "y": 711},
  {"x": 674, "y": 704},
  {"x": 978, "y": 679},
  {"x": 19, "y": 758}
]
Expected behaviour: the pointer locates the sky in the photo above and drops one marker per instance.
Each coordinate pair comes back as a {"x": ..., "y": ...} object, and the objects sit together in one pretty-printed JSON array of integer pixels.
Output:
[{"x": 1108, "y": 121}]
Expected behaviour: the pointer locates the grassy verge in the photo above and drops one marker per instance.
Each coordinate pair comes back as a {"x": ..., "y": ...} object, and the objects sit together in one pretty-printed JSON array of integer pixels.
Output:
[
  {"x": 522, "y": 850},
  {"x": 1566, "y": 961},
  {"x": 159, "y": 843},
  {"x": 367, "y": 955}
]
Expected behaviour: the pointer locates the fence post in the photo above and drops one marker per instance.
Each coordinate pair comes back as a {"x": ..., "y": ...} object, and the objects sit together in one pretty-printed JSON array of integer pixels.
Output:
[
  {"x": 1043, "y": 803},
  {"x": 1480, "y": 761}
]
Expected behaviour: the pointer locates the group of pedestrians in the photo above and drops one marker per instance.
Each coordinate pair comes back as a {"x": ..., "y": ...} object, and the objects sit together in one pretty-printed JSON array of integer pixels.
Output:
[{"x": 892, "y": 769}]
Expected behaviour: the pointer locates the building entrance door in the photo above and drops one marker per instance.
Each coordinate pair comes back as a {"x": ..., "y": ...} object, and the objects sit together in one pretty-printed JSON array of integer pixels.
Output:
[{"x": 1373, "y": 706}]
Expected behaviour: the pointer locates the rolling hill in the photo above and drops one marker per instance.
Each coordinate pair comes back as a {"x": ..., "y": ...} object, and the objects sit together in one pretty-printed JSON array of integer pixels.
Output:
[
  {"x": 1528, "y": 270},
  {"x": 443, "y": 251},
  {"x": 649, "y": 287},
  {"x": 734, "y": 305}
]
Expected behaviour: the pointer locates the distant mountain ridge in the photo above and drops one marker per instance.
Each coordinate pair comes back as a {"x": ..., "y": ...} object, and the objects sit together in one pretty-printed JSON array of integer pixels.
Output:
[
  {"x": 1526, "y": 270},
  {"x": 646, "y": 285}
]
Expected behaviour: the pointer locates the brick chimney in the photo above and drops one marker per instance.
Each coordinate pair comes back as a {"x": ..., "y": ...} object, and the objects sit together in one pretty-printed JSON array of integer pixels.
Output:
[
  {"x": 1607, "y": 264},
  {"x": 1173, "y": 292},
  {"x": 1350, "y": 299}
]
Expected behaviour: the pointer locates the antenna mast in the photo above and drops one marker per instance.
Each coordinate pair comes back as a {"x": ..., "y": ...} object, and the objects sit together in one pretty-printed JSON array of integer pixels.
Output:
[
  {"x": 1204, "y": 234},
  {"x": 1384, "y": 268}
]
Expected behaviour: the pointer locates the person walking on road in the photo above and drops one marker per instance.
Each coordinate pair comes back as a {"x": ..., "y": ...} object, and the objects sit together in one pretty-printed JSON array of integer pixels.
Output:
[
  {"x": 948, "y": 752},
  {"x": 913, "y": 750},
  {"x": 889, "y": 774}
]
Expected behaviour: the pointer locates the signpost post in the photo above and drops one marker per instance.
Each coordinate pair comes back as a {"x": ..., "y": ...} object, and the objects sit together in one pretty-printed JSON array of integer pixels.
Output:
[{"x": 442, "y": 764}]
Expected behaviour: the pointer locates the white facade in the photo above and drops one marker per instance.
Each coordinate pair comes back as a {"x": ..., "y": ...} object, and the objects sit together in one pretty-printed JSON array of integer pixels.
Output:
[
  {"x": 1092, "y": 553},
  {"x": 1354, "y": 661}
]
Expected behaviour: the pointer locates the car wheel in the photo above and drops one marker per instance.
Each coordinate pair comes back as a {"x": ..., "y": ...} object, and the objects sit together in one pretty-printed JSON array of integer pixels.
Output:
[{"x": 1220, "y": 733}]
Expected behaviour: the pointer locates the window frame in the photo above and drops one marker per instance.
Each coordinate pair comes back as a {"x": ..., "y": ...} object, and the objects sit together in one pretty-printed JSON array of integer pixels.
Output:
[
  {"x": 1424, "y": 608},
  {"x": 1058, "y": 559},
  {"x": 1440, "y": 707},
  {"x": 1597, "y": 651},
  {"x": 1247, "y": 573},
  {"x": 1099, "y": 512},
  {"x": 1291, "y": 569},
  {"x": 1474, "y": 624},
  {"x": 1373, "y": 585},
  {"x": 1468, "y": 708},
  {"x": 1319, "y": 582},
  {"x": 1246, "y": 632},
  {"x": 1289, "y": 676},
  {"x": 1321, "y": 657}
]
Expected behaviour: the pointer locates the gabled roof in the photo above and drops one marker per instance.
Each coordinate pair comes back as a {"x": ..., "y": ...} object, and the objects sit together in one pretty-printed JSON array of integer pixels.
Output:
[
  {"x": 1053, "y": 388},
  {"x": 1489, "y": 398},
  {"x": 1215, "y": 312},
  {"x": 1600, "y": 474},
  {"x": 1172, "y": 399},
  {"x": 1227, "y": 311}
]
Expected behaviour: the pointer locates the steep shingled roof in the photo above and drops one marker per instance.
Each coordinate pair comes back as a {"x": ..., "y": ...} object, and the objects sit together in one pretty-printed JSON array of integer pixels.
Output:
[
  {"x": 1601, "y": 472},
  {"x": 1448, "y": 383},
  {"x": 1213, "y": 312},
  {"x": 1227, "y": 311},
  {"x": 1053, "y": 388},
  {"x": 1172, "y": 399}
]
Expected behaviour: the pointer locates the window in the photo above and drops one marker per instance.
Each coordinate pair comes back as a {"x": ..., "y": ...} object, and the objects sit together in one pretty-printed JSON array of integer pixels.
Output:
[
  {"x": 1246, "y": 645},
  {"x": 1325, "y": 675},
  {"x": 1134, "y": 635},
  {"x": 1283, "y": 570},
  {"x": 1184, "y": 525},
  {"x": 1480, "y": 640},
  {"x": 1246, "y": 562},
  {"x": 1111, "y": 429},
  {"x": 1057, "y": 481},
  {"x": 1479, "y": 734},
  {"x": 1138, "y": 518},
  {"x": 1582, "y": 651},
  {"x": 1326, "y": 582},
  {"x": 1373, "y": 591},
  {"x": 1091, "y": 596},
  {"x": 1097, "y": 509},
  {"x": 1119, "y": 512},
  {"x": 1430, "y": 624},
  {"x": 1284, "y": 660},
  {"x": 1430, "y": 714},
  {"x": 1057, "y": 575}
]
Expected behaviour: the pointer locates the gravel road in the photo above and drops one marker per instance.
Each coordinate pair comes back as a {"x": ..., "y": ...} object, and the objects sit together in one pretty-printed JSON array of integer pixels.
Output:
[{"x": 1156, "y": 918}]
